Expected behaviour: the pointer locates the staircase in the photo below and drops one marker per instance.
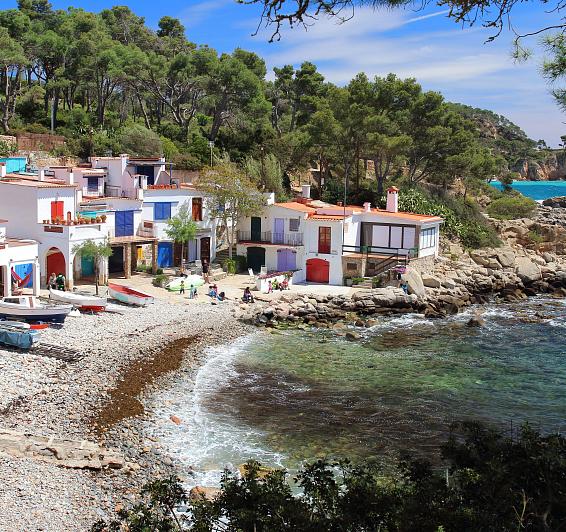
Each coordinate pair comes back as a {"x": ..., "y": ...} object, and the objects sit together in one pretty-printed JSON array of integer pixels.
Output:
[{"x": 222, "y": 255}]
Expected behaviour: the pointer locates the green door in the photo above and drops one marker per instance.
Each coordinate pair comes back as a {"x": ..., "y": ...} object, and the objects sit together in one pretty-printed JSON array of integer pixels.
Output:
[
  {"x": 256, "y": 229},
  {"x": 256, "y": 258}
]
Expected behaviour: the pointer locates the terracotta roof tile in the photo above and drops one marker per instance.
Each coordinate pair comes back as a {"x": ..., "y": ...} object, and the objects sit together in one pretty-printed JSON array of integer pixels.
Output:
[{"x": 296, "y": 206}]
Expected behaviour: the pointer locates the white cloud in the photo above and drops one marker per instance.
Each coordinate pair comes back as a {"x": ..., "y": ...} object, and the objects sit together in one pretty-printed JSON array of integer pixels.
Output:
[
  {"x": 197, "y": 13},
  {"x": 456, "y": 62}
]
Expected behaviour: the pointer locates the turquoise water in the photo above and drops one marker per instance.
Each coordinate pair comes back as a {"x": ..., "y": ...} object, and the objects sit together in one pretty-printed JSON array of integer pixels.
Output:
[
  {"x": 295, "y": 395},
  {"x": 537, "y": 190}
]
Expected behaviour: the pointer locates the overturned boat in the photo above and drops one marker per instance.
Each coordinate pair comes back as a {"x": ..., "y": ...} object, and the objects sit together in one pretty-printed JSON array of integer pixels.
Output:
[{"x": 128, "y": 295}]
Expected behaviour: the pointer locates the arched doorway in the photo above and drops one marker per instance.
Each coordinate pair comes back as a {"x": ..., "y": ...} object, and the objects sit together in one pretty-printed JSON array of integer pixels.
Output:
[
  {"x": 55, "y": 262},
  {"x": 256, "y": 258},
  {"x": 318, "y": 271}
]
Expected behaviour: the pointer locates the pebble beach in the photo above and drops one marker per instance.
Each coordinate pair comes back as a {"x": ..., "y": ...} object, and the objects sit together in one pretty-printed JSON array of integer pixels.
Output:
[{"x": 123, "y": 356}]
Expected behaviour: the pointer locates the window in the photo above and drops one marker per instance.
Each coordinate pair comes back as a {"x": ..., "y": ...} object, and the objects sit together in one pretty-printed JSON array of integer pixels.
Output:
[
  {"x": 294, "y": 224},
  {"x": 351, "y": 266},
  {"x": 324, "y": 237},
  {"x": 161, "y": 211},
  {"x": 57, "y": 208},
  {"x": 92, "y": 184},
  {"x": 428, "y": 238},
  {"x": 197, "y": 209}
]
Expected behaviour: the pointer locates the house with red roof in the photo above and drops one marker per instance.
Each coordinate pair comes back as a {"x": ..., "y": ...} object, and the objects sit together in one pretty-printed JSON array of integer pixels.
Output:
[{"x": 326, "y": 243}]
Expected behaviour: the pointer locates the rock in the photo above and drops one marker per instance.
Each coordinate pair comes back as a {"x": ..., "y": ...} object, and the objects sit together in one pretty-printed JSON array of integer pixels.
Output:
[
  {"x": 352, "y": 336},
  {"x": 414, "y": 281},
  {"x": 527, "y": 270},
  {"x": 506, "y": 257},
  {"x": 430, "y": 281},
  {"x": 175, "y": 420},
  {"x": 204, "y": 493},
  {"x": 476, "y": 321}
]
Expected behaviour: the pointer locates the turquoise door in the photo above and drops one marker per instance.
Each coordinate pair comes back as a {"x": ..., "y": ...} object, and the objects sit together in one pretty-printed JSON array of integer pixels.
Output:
[{"x": 87, "y": 266}]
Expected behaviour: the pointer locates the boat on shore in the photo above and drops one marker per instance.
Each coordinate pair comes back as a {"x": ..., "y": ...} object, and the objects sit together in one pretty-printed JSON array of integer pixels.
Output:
[
  {"x": 81, "y": 301},
  {"x": 175, "y": 284},
  {"x": 30, "y": 309},
  {"x": 16, "y": 336},
  {"x": 128, "y": 295}
]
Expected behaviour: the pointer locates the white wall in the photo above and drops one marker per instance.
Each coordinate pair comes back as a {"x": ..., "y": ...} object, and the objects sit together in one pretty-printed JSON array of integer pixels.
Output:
[{"x": 429, "y": 244}]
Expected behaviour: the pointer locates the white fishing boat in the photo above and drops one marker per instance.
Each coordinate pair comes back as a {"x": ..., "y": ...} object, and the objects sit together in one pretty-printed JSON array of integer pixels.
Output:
[
  {"x": 128, "y": 295},
  {"x": 80, "y": 301},
  {"x": 29, "y": 308}
]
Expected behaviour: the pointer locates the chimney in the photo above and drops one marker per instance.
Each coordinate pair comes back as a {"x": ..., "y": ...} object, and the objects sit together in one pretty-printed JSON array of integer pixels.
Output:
[
  {"x": 41, "y": 174},
  {"x": 392, "y": 199},
  {"x": 367, "y": 206},
  {"x": 306, "y": 191},
  {"x": 2, "y": 170},
  {"x": 70, "y": 176}
]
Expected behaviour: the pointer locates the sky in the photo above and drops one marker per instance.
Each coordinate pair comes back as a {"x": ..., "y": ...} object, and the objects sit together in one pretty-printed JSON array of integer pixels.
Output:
[{"x": 423, "y": 44}]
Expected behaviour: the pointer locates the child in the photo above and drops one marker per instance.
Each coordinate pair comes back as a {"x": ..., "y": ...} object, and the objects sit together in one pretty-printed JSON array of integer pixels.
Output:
[
  {"x": 269, "y": 287},
  {"x": 194, "y": 292},
  {"x": 182, "y": 290},
  {"x": 212, "y": 291},
  {"x": 191, "y": 293},
  {"x": 284, "y": 284}
]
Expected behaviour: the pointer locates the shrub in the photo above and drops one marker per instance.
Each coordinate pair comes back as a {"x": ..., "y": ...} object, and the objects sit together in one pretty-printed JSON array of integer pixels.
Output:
[
  {"x": 357, "y": 280},
  {"x": 230, "y": 266},
  {"x": 159, "y": 280},
  {"x": 377, "y": 282},
  {"x": 535, "y": 237},
  {"x": 159, "y": 271},
  {"x": 511, "y": 207}
]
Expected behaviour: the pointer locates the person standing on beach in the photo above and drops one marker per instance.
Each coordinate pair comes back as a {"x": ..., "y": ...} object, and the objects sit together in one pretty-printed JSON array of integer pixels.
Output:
[
  {"x": 182, "y": 289},
  {"x": 205, "y": 270},
  {"x": 52, "y": 283}
]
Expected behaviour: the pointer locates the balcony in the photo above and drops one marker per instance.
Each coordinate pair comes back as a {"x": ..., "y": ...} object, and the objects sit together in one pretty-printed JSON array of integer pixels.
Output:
[
  {"x": 267, "y": 237},
  {"x": 119, "y": 192},
  {"x": 147, "y": 229}
]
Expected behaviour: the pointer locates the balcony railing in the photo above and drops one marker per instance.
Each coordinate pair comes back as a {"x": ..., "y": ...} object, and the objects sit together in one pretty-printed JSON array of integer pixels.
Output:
[
  {"x": 119, "y": 192},
  {"x": 267, "y": 237}
]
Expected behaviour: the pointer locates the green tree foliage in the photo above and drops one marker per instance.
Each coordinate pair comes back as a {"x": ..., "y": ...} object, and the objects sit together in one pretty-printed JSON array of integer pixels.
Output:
[
  {"x": 139, "y": 141},
  {"x": 98, "y": 252},
  {"x": 181, "y": 228},
  {"x": 231, "y": 196},
  {"x": 491, "y": 482},
  {"x": 511, "y": 207}
]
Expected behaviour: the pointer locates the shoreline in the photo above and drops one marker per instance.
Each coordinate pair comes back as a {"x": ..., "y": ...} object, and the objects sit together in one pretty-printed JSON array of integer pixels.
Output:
[{"x": 47, "y": 397}]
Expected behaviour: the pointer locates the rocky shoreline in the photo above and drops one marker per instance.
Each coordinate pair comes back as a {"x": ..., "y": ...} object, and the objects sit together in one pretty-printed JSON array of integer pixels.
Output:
[{"x": 60, "y": 403}]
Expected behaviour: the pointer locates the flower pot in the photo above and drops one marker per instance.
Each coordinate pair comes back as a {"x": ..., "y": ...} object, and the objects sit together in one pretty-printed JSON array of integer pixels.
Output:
[{"x": 103, "y": 218}]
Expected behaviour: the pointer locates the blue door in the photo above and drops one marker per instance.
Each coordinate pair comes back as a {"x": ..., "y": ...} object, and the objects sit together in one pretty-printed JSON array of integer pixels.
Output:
[
  {"x": 286, "y": 260},
  {"x": 124, "y": 223},
  {"x": 165, "y": 254},
  {"x": 23, "y": 275},
  {"x": 87, "y": 266},
  {"x": 278, "y": 231}
]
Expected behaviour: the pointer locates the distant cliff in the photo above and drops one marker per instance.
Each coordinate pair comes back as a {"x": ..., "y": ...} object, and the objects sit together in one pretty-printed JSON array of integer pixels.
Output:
[{"x": 531, "y": 159}]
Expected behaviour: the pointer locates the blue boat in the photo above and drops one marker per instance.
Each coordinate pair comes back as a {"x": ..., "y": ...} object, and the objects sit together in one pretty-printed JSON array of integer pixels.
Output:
[{"x": 17, "y": 336}]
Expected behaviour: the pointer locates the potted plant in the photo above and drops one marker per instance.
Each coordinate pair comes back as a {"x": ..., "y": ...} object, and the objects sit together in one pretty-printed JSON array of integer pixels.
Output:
[
  {"x": 348, "y": 281},
  {"x": 103, "y": 218},
  {"x": 98, "y": 219}
]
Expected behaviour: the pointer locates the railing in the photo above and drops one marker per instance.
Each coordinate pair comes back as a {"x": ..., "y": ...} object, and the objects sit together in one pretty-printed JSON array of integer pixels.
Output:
[
  {"x": 381, "y": 260},
  {"x": 267, "y": 237},
  {"x": 119, "y": 192}
]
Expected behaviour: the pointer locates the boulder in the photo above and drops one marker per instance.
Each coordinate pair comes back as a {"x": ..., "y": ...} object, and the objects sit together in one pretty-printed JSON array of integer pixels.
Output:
[
  {"x": 506, "y": 257},
  {"x": 476, "y": 321},
  {"x": 527, "y": 270},
  {"x": 204, "y": 493},
  {"x": 430, "y": 281},
  {"x": 352, "y": 336},
  {"x": 414, "y": 281}
]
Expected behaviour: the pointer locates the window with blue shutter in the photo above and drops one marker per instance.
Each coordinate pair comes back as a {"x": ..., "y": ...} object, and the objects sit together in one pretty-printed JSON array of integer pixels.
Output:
[{"x": 161, "y": 211}]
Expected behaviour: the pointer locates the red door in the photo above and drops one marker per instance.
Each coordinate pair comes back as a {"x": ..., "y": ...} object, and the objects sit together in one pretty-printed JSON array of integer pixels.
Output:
[
  {"x": 318, "y": 271},
  {"x": 57, "y": 208},
  {"x": 324, "y": 237}
]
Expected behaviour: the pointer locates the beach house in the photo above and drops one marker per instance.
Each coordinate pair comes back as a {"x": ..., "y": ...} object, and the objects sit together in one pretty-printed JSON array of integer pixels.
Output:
[{"x": 326, "y": 243}]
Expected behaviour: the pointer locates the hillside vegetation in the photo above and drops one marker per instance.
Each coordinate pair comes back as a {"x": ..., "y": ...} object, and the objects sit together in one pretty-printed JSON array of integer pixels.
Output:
[{"x": 110, "y": 84}]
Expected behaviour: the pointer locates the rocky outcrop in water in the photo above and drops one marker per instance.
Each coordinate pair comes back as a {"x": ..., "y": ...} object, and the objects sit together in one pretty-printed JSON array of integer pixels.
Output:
[{"x": 551, "y": 168}]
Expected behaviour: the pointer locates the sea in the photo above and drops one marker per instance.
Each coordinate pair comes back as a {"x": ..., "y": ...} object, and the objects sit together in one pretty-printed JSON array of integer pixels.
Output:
[
  {"x": 290, "y": 396},
  {"x": 537, "y": 190}
]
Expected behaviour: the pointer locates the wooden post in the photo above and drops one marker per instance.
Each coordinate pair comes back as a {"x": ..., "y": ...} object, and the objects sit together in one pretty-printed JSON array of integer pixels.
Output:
[
  {"x": 154, "y": 257},
  {"x": 127, "y": 261}
]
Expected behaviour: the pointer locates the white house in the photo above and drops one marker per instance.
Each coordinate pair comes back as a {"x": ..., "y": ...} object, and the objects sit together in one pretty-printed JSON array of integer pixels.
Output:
[
  {"x": 19, "y": 263},
  {"x": 44, "y": 209},
  {"x": 160, "y": 204},
  {"x": 324, "y": 243}
]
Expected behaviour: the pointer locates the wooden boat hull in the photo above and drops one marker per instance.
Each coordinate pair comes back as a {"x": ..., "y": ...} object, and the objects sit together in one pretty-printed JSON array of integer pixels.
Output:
[
  {"x": 128, "y": 295},
  {"x": 82, "y": 302},
  {"x": 53, "y": 313}
]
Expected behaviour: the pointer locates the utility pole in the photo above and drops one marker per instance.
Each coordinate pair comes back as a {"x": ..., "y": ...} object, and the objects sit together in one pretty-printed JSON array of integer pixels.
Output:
[{"x": 211, "y": 146}]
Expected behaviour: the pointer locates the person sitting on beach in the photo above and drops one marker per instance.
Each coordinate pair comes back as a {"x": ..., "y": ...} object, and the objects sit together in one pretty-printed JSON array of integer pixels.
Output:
[
  {"x": 247, "y": 297},
  {"x": 284, "y": 285},
  {"x": 213, "y": 291},
  {"x": 221, "y": 296},
  {"x": 52, "y": 283},
  {"x": 405, "y": 287},
  {"x": 61, "y": 282},
  {"x": 182, "y": 289},
  {"x": 275, "y": 284}
]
